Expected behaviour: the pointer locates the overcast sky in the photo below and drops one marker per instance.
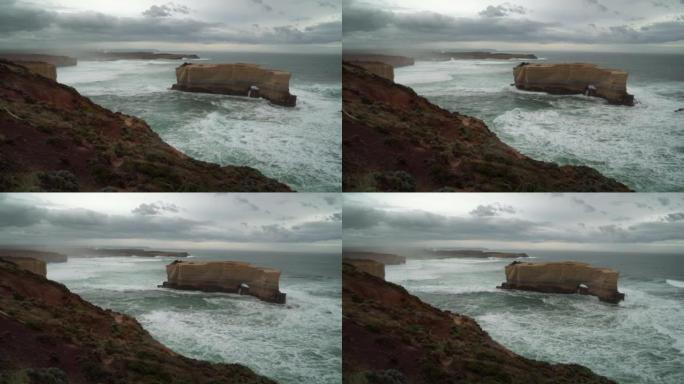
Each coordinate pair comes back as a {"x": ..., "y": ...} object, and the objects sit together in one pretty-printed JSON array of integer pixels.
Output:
[
  {"x": 293, "y": 25},
  {"x": 592, "y": 222},
  {"x": 271, "y": 222},
  {"x": 530, "y": 25}
]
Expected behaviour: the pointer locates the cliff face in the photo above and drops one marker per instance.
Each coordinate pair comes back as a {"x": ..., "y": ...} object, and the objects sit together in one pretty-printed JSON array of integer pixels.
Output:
[
  {"x": 371, "y": 267},
  {"x": 236, "y": 79},
  {"x": 567, "y": 79},
  {"x": 53, "y": 139},
  {"x": 50, "y": 335},
  {"x": 226, "y": 276},
  {"x": 57, "y": 61},
  {"x": 376, "y": 68},
  {"x": 48, "y": 257},
  {"x": 27, "y": 264},
  {"x": 39, "y": 68},
  {"x": 395, "y": 140},
  {"x": 384, "y": 258},
  {"x": 394, "y": 61},
  {"x": 566, "y": 277},
  {"x": 390, "y": 336}
]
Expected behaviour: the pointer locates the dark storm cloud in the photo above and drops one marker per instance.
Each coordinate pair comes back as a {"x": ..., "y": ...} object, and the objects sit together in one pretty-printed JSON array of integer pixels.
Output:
[{"x": 14, "y": 18}]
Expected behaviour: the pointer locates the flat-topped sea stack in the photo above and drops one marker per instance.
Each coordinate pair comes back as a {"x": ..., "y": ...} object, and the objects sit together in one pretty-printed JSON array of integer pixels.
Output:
[
  {"x": 48, "y": 257},
  {"x": 372, "y": 267},
  {"x": 376, "y": 68},
  {"x": 225, "y": 276},
  {"x": 564, "y": 277},
  {"x": 57, "y": 61},
  {"x": 574, "y": 79},
  {"x": 27, "y": 264},
  {"x": 236, "y": 79},
  {"x": 384, "y": 258},
  {"x": 394, "y": 61},
  {"x": 477, "y": 254}
]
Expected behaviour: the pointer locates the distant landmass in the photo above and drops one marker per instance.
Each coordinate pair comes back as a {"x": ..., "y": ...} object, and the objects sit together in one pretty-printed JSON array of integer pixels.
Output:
[
  {"x": 48, "y": 257},
  {"x": 470, "y": 253},
  {"x": 475, "y": 55},
  {"x": 126, "y": 252},
  {"x": 113, "y": 55}
]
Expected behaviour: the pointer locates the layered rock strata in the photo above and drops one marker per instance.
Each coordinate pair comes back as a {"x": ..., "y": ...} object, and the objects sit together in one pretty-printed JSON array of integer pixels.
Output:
[
  {"x": 50, "y": 335},
  {"x": 565, "y": 277},
  {"x": 390, "y": 336},
  {"x": 372, "y": 267},
  {"x": 40, "y": 68},
  {"x": 53, "y": 139},
  {"x": 27, "y": 264},
  {"x": 226, "y": 276},
  {"x": 397, "y": 141},
  {"x": 384, "y": 258},
  {"x": 236, "y": 79},
  {"x": 574, "y": 79},
  {"x": 377, "y": 68}
]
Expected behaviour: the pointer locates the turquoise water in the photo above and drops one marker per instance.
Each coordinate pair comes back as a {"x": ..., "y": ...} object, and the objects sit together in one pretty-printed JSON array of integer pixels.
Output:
[
  {"x": 641, "y": 340},
  {"x": 298, "y": 146},
  {"x": 300, "y": 342},
  {"x": 641, "y": 146}
]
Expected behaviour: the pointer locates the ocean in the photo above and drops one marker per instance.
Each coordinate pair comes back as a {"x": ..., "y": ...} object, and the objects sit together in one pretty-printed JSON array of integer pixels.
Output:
[
  {"x": 299, "y": 342},
  {"x": 299, "y": 146},
  {"x": 641, "y": 146},
  {"x": 641, "y": 340}
]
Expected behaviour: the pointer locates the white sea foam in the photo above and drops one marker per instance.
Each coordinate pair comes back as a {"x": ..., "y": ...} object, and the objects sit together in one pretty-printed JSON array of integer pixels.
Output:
[{"x": 675, "y": 283}]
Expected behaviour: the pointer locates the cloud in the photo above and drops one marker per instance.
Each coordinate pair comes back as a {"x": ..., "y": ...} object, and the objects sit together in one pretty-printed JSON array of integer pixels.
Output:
[
  {"x": 597, "y": 4},
  {"x": 263, "y": 5},
  {"x": 166, "y": 10},
  {"x": 588, "y": 208},
  {"x": 502, "y": 10},
  {"x": 153, "y": 209},
  {"x": 491, "y": 210}
]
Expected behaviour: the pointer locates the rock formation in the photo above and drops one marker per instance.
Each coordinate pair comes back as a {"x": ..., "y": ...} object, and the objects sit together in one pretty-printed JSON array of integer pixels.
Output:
[
  {"x": 574, "y": 79},
  {"x": 394, "y": 61},
  {"x": 236, "y": 79},
  {"x": 390, "y": 336},
  {"x": 395, "y": 140},
  {"x": 48, "y": 257},
  {"x": 372, "y": 267},
  {"x": 57, "y": 61},
  {"x": 477, "y": 254},
  {"x": 376, "y": 68},
  {"x": 225, "y": 276},
  {"x": 445, "y": 56},
  {"x": 384, "y": 258},
  {"x": 40, "y": 68},
  {"x": 27, "y": 264},
  {"x": 55, "y": 140},
  {"x": 565, "y": 277},
  {"x": 50, "y": 335}
]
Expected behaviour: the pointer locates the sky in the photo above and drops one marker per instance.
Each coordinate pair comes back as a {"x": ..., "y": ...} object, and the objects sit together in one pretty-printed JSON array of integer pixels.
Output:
[
  {"x": 249, "y": 25},
  {"x": 307, "y": 223},
  {"x": 642, "y": 222},
  {"x": 521, "y": 25}
]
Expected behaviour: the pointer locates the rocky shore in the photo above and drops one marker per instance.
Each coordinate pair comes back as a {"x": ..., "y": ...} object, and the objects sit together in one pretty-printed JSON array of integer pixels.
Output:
[
  {"x": 395, "y": 140},
  {"x": 55, "y": 140},
  {"x": 565, "y": 278},
  {"x": 390, "y": 336},
  {"x": 50, "y": 335}
]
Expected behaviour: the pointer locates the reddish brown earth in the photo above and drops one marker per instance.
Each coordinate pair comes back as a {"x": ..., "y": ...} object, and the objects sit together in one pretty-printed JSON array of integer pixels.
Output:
[
  {"x": 54, "y": 139},
  {"x": 50, "y": 335},
  {"x": 396, "y": 140},
  {"x": 392, "y": 337}
]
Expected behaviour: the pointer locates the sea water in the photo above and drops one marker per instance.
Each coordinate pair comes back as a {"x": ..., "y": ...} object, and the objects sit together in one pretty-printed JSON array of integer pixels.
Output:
[
  {"x": 638, "y": 341},
  {"x": 299, "y": 342},
  {"x": 298, "y": 146},
  {"x": 641, "y": 146}
]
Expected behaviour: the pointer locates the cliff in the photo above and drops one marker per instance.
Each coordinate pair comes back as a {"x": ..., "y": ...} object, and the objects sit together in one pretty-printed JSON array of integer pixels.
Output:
[
  {"x": 384, "y": 258},
  {"x": 225, "y": 276},
  {"x": 50, "y": 335},
  {"x": 57, "y": 61},
  {"x": 574, "y": 79},
  {"x": 396, "y": 140},
  {"x": 27, "y": 264},
  {"x": 394, "y": 61},
  {"x": 390, "y": 336},
  {"x": 376, "y": 68},
  {"x": 236, "y": 79},
  {"x": 53, "y": 139},
  {"x": 48, "y": 257},
  {"x": 466, "y": 253},
  {"x": 371, "y": 267},
  {"x": 40, "y": 68},
  {"x": 445, "y": 56},
  {"x": 565, "y": 277}
]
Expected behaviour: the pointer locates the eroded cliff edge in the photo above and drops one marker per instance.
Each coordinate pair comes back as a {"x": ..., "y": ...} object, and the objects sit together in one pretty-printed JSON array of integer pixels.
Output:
[
  {"x": 390, "y": 336},
  {"x": 50, "y": 333},
  {"x": 54, "y": 139},
  {"x": 396, "y": 140}
]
